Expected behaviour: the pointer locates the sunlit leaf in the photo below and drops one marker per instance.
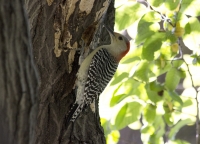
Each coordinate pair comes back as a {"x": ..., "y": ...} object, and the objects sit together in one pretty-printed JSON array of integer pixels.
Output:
[
  {"x": 154, "y": 96},
  {"x": 169, "y": 47},
  {"x": 131, "y": 60},
  {"x": 116, "y": 99},
  {"x": 175, "y": 97},
  {"x": 142, "y": 71},
  {"x": 190, "y": 107},
  {"x": 159, "y": 125},
  {"x": 113, "y": 137},
  {"x": 155, "y": 3},
  {"x": 119, "y": 78},
  {"x": 160, "y": 66},
  {"x": 177, "y": 63},
  {"x": 148, "y": 129},
  {"x": 168, "y": 106},
  {"x": 187, "y": 102},
  {"x": 127, "y": 14},
  {"x": 168, "y": 119},
  {"x": 123, "y": 90},
  {"x": 151, "y": 16},
  {"x": 170, "y": 38},
  {"x": 156, "y": 86},
  {"x": 135, "y": 125},
  {"x": 192, "y": 34},
  {"x": 172, "y": 79},
  {"x": 190, "y": 7},
  {"x": 147, "y": 27},
  {"x": 140, "y": 91},
  {"x": 149, "y": 113},
  {"x": 128, "y": 114},
  {"x": 172, "y": 4},
  {"x": 155, "y": 139},
  {"x": 153, "y": 133},
  {"x": 151, "y": 45}
]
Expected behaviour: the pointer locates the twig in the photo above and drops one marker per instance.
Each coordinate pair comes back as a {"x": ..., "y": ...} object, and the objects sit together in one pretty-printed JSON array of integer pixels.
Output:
[{"x": 196, "y": 99}]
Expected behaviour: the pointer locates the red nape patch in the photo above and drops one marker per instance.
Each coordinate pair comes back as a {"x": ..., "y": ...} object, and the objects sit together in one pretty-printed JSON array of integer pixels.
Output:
[
  {"x": 128, "y": 47},
  {"x": 126, "y": 51}
]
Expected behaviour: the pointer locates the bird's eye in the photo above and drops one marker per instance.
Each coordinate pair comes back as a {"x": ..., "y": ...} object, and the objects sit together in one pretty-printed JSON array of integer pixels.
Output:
[{"x": 120, "y": 38}]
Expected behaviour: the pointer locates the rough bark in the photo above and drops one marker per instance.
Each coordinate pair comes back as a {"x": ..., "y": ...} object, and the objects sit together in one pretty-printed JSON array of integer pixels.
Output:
[
  {"x": 58, "y": 29},
  {"x": 18, "y": 76}
]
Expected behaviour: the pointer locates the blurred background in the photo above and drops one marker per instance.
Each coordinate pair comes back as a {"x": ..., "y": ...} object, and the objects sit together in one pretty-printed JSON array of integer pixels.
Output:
[{"x": 153, "y": 97}]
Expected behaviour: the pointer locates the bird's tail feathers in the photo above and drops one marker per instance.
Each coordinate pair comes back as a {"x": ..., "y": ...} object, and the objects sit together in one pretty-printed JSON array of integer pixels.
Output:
[{"x": 74, "y": 113}]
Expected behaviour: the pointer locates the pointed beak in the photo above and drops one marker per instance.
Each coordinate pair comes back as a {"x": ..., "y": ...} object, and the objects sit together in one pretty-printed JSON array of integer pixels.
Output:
[{"x": 109, "y": 31}]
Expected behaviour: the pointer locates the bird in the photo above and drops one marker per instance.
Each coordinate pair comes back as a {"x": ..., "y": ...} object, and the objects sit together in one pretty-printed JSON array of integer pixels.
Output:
[{"x": 95, "y": 73}]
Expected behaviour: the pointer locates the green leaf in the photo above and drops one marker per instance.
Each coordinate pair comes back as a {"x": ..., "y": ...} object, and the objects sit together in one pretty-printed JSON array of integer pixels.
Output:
[
  {"x": 137, "y": 125},
  {"x": 153, "y": 133},
  {"x": 187, "y": 102},
  {"x": 152, "y": 16},
  {"x": 154, "y": 96},
  {"x": 177, "y": 63},
  {"x": 170, "y": 38},
  {"x": 169, "y": 47},
  {"x": 155, "y": 86},
  {"x": 149, "y": 113},
  {"x": 140, "y": 91},
  {"x": 168, "y": 119},
  {"x": 130, "y": 60},
  {"x": 175, "y": 97},
  {"x": 142, "y": 71},
  {"x": 160, "y": 66},
  {"x": 159, "y": 125},
  {"x": 127, "y": 14},
  {"x": 177, "y": 127},
  {"x": 190, "y": 7},
  {"x": 151, "y": 45},
  {"x": 119, "y": 78},
  {"x": 192, "y": 34},
  {"x": 148, "y": 129},
  {"x": 172, "y": 4},
  {"x": 113, "y": 137},
  {"x": 147, "y": 26},
  {"x": 154, "y": 139},
  {"x": 166, "y": 53},
  {"x": 172, "y": 79},
  {"x": 116, "y": 99},
  {"x": 155, "y": 3},
  {"x": 124, "y": 90},
  {"x": 154, "y": 91},
  {"x": 128, "y": 114}
]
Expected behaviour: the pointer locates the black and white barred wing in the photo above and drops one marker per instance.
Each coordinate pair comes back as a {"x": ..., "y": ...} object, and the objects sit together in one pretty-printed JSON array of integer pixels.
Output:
[{"x": 101, "y": 71}]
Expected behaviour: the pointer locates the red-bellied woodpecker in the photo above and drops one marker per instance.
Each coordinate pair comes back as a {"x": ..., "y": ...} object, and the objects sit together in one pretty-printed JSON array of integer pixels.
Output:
[{"x": 96, "y": 71}]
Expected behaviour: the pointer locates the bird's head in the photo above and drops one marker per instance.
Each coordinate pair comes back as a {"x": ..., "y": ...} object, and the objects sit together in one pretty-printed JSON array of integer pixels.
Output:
[{"x": 119, "y": 46}]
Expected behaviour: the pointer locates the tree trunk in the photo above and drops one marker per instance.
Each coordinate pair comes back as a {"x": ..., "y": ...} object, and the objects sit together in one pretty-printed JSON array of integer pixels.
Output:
[
  {"x": 18, "y": 76},
  {"x": 58, "y": 29}
]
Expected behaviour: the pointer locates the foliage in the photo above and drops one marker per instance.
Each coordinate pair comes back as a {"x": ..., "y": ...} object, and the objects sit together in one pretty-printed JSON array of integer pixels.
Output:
[{"x": 139, "y": 100}]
